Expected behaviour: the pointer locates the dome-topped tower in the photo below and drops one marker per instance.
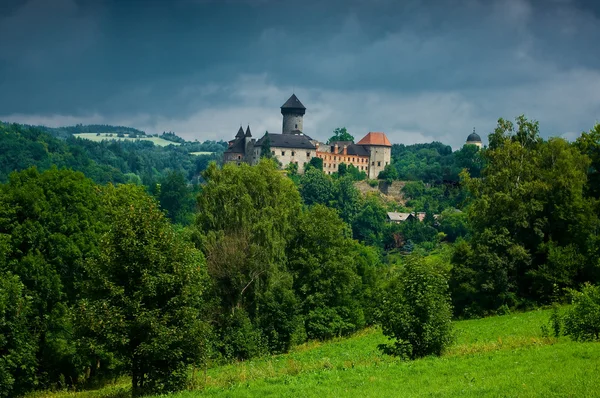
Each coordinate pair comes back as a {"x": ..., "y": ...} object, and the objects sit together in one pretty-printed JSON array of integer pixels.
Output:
[
  {"x": 474, "y": 139},
  {"x": 293, "y": 114}
]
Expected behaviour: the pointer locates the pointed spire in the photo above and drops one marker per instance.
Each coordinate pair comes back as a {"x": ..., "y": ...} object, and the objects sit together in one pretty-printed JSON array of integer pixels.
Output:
[
  {"x": 248, "y": 133},
  {"x": 240, "y": 132}
]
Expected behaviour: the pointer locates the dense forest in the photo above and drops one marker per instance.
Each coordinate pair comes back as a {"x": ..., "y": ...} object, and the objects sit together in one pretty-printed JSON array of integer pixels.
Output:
[{"x": 123, "y": 258}]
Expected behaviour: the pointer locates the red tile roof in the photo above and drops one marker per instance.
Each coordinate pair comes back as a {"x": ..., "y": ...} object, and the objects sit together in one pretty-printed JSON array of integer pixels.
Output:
[{"x": 375, "y": 139}]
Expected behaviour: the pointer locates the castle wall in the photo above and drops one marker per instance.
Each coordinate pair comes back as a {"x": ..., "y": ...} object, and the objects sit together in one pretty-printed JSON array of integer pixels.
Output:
[
  {"x": 380, "y": 157},
  {"x": 292, "y": 122},
  {"x": 331, "y": 161},
  {"x": 294, "y": 155}
]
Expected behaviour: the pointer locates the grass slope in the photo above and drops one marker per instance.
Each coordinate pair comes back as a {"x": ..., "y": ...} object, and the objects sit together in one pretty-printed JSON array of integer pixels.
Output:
[
  {"x": 104, "y": 136},
  {"x": 500, "y": 356}
]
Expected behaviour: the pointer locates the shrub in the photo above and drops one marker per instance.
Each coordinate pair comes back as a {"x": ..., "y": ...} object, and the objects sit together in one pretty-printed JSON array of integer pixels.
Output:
[
  {"x": 582, "y": 321},
  {"x": 373, "y": 183},
  {"x": 416, "y": 310}
]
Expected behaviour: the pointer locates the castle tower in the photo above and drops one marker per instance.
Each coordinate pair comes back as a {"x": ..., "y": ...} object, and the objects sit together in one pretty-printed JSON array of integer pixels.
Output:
[{"x": 293, "y": 113}]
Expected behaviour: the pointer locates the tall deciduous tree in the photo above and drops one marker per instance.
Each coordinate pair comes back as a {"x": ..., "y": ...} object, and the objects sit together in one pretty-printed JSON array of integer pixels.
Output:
[
  {"x": 341, "y": 134},
  {"x": 144, "y": 297}
]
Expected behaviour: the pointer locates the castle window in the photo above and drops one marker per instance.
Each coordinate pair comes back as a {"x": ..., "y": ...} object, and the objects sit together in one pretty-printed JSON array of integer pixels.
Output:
[
  {"x": 296, "y": 126},
  {"x": 372, "y": 163},
  {"x": 239, "y": 156},
  {"x": 378, "y": 163},
  {"x": 282, "y": 153},
  {"x": 292, "y": 153},
  {"x": 307, "y": 154},
  {"x": 335, "y": 158}
]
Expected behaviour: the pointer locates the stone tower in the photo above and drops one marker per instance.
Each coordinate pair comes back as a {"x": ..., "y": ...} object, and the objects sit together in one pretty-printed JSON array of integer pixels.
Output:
[{"x": 293, "y": 114}]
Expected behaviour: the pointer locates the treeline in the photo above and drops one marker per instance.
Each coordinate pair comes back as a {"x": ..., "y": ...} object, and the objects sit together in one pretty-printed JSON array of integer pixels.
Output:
[
  {"x": 139, "y": 162},
  {"x": 434, "y": 163},
  {"x": 533, "y": 219},
  {"x": 96, "y": 282}
]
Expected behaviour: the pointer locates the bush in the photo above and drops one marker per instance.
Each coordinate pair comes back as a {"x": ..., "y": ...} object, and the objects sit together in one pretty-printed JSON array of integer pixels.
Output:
[
  {"x": 416, "y": 310},
  {"x": 582, "y": 321},
  {"x": 373, "y": 183}
]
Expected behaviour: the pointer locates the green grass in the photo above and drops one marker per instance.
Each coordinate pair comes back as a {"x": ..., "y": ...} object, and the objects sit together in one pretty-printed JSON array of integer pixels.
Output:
[
  {"x": 501, "y": 356},
  {"x": 97, "y": 138}
]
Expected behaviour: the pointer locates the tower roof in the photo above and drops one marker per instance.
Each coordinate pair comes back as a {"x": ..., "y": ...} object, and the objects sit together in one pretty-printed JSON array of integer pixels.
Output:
[
  {"x": 293, "y": 103},
  {"x": 473, "y": 137},
  {"x": 248, "y": 133},
  {"x": 375, "y": 139},
  {"x": 240, "y": 132}
]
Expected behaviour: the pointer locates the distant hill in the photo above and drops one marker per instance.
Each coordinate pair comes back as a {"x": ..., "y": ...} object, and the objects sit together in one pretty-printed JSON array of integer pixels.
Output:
[{"x": 102, "y": 159}]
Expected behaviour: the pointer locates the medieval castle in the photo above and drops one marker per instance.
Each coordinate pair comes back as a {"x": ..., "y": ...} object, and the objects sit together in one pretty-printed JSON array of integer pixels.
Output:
[{"x": 371, "y": 154}]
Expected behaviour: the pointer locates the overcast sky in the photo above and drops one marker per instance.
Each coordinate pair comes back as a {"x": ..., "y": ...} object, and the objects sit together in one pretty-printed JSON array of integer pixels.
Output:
[{"x": 418, "y": 70}]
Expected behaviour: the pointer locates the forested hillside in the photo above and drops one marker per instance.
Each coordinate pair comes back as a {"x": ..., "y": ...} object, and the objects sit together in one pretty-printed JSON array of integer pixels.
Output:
[
  {"x": 126, "y": 260},
  {"x": 106, "y": 161}
]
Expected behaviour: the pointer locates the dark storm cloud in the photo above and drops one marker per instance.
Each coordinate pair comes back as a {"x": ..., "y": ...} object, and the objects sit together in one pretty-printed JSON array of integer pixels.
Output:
[{"x": 163, "y": 63}]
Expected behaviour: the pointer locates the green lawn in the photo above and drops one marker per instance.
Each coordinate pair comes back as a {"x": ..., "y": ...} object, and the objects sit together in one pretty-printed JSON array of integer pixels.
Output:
[
  {"x": 93, "y": 137},
  {"x": 501, "y": 356}
]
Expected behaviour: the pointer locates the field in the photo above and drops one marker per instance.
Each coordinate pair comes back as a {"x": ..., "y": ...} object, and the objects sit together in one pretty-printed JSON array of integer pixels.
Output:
[
  {"x": 501, "y": 356},
  {"x": 101, "y": 137}
]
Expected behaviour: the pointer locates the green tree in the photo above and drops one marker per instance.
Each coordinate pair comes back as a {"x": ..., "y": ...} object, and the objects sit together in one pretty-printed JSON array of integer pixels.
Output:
[
  {"x": 144, "y": 297},
  {"x": 323, "y": 258},
  {"x": 389, "y": 174},
  {"x": 340, "y": 134},
  {"x": 316, "y": 163},
  {"x": 18, "y": 347},
  {"x": 265, "y": 147},
  {"x": 247, "y": 214},
  {"x": 531, "y": 222},
  {"x": 416, "y": 311},
  {"x": 50, "y": 223},
  {"x": 582, "y": 321},
  {"x": 316, "y": 187},
  {"x": 176, "y": 198}
]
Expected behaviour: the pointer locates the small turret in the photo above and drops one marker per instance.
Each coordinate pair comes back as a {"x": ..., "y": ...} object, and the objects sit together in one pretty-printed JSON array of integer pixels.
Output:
[
  {"x": 240, "y": 133},
  {"x": 248, "y": 133}
]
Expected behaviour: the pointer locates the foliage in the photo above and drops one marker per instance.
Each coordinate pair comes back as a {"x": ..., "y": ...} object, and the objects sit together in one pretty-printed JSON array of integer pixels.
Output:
[
  {"x": 144, "y": 297},
  {"x": 17, "y": 343},
  {"x": 105, "y": 161},
  {"x": 323, "y": 261},
  {"x": 582, "y": 320},
  {"x": 171, "y": 136},
  {"x": 49, "y": 224},
  {"x": 531, "y": 223},
  {"x": 389, "y": 174},
  {"x": 265, "y": 148},
  {"x": 416, "y": 310},
  {"x": 175, "y": 197},
  {"x": 247, "y": 215},
  {"x": 316, "y": 163},
  {"x": 340, "y": 134}
]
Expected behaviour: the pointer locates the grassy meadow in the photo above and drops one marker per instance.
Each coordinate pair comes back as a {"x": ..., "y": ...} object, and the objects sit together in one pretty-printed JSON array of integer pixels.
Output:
[
  {"x": 501, "y": 356},
  {"x": 104, "y": 136}
]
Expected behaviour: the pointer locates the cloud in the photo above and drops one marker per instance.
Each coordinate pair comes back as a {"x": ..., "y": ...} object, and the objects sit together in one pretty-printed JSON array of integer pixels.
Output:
[{"x": 419, "y": 70}]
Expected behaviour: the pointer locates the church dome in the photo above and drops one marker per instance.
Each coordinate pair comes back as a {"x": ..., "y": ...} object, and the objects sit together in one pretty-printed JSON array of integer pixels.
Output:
[{"x": 473, "y": 137}]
